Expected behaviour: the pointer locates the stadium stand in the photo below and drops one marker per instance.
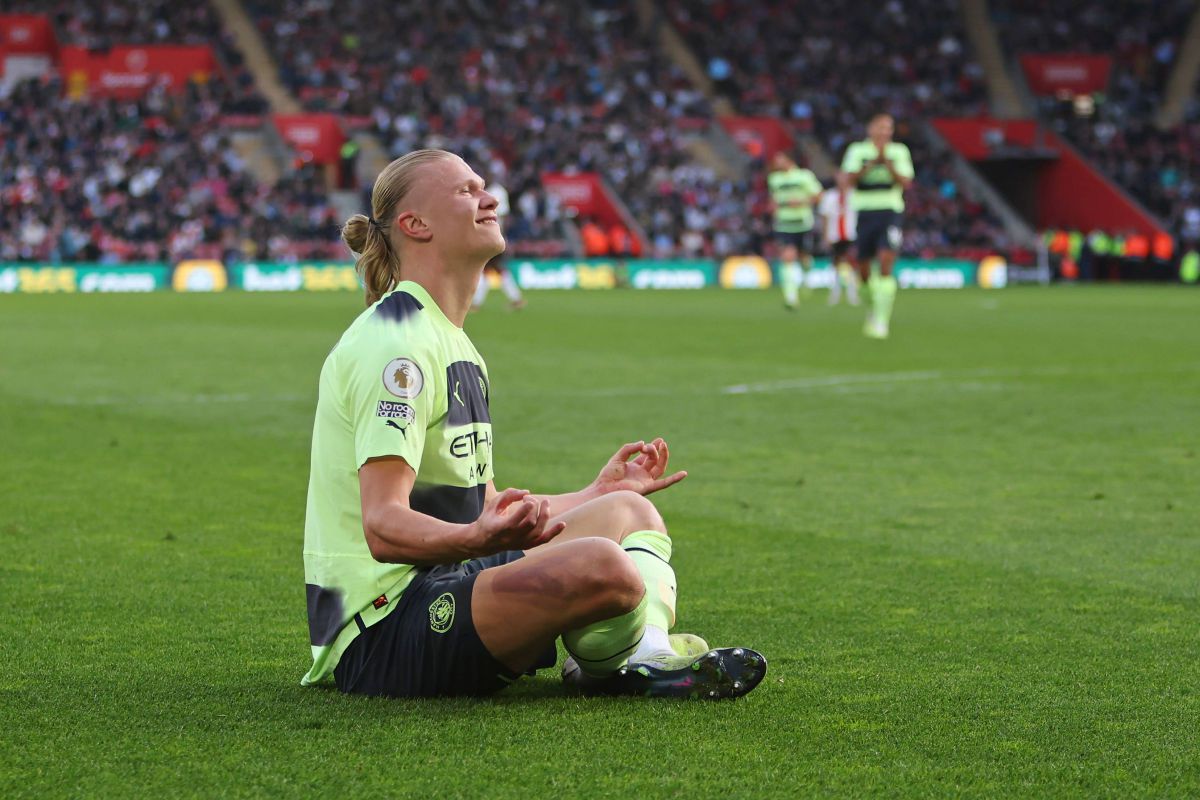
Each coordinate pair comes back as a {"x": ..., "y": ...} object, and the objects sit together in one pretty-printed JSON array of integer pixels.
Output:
[
  {"x": 1117, "y": 132},
  {"x": 539, "y": 87},
  {"x": 152, "y": 179},
  {"x": 519, "y": 87},
  {"x": 155, "y": 179},
  {"x": 828, "y": 73},
  {"x": 99, "y": 26},
  {"x": 104, "y": 24}
]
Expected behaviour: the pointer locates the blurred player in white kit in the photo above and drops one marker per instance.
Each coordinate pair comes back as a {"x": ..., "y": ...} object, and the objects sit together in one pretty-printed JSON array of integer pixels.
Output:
[
  {"x": 496, "y": 266},
  {"x": 839, "y": 221}
]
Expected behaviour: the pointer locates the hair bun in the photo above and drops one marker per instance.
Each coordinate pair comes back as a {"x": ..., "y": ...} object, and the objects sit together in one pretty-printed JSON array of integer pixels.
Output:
[{"x": 355, "y": 232}]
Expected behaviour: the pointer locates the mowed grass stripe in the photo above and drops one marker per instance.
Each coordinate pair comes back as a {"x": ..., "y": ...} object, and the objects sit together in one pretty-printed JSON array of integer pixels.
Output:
[{"x": 980, "y": 583}]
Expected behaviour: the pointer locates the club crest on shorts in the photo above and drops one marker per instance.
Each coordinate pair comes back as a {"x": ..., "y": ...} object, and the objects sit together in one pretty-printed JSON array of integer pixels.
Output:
[
  {"x": 441, "y": 613},
  {"x": 402, "y": 377}
]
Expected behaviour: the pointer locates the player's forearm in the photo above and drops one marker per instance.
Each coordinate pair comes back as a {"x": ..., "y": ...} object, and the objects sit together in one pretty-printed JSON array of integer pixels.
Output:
[
  {"x": 398, "y": 535},
  {"x": 562, "y": 503}
]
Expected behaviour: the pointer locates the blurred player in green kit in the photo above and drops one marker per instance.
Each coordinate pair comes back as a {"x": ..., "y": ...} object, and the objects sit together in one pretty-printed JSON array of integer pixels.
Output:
[
  {"x": 878, "y": 170},
  {"x": 794, "y": 192}
]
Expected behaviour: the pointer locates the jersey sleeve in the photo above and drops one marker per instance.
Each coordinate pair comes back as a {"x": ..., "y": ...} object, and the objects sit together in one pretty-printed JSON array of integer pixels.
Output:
[
  {"x": 903, "y": 163},
  {"x": 389, "y": 400},
  {"x": 853, "y": 160},
  {"x": 814, "y": 184}
]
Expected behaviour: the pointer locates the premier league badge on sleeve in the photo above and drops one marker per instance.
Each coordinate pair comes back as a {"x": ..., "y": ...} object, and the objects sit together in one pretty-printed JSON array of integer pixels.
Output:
[{"x": 402, "y": 377}]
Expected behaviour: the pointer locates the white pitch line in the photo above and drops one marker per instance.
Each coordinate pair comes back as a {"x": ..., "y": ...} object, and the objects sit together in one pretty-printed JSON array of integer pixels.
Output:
[
  {"x": 897, "y": 378},
  {"x": 867, "y": 380},
  {"x": 824, "y": 381},
  {"x": 167, "y": 400}
]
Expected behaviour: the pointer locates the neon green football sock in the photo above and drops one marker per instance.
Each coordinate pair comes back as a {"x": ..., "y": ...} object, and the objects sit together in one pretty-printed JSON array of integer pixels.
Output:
[
  {"x": 883, "y": 296},
  {"x": 651, "y": 554},
  {"x": 805, "y": 267},
  {"x": 603, "y": 647},
  {"x": 790, "y": 278}
]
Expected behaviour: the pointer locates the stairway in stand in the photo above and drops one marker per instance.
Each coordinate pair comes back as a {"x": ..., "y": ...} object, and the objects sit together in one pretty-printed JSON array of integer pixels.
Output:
[
  {"x": 258, "y": 59},
  {"x": 712, "y": 147},
  {"x": 1004, "y": 98},
  {"x": 1183, "y": 77},
  {"x": 263, "y": 151}
]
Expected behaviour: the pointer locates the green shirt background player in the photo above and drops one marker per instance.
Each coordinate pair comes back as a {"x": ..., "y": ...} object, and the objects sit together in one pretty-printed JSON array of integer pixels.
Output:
[
  {"x": 879, "y": 170},
  {"x": 422, "y": 578},
  {"x": 794, "y": 192}
]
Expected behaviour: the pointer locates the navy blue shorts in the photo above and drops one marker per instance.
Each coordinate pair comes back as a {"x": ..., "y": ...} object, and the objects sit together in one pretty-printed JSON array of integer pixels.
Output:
[
  {"x": 877, "y": 230},
  {"x": 428, "y": 645},
  {"x": 802, "y": 241}
]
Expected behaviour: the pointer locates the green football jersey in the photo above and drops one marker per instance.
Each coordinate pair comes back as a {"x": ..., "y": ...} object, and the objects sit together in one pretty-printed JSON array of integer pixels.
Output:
[
  {"x": 877, "y": 190},
  {"x": 402, "y": 381},
  {"x": 787, "y": 187}
]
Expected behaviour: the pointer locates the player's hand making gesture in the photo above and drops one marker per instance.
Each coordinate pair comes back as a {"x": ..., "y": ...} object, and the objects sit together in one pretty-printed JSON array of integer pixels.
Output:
[
  {"x": 514, "y": 520},
  {"x": 639, "y": 467}
]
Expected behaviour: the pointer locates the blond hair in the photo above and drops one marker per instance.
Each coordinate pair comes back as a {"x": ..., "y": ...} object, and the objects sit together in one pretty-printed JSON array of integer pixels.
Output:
[{"x": 378, "y": 262}]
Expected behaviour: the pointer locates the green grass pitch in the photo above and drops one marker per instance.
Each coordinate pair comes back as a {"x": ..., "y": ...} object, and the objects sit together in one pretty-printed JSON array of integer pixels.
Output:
[{"x": 971, "y": 553}]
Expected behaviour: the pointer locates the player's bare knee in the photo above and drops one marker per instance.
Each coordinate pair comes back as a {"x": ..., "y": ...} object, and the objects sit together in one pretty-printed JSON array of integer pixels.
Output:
[
  {"x": 638, "y": 513},
  {"x": 613, "y": 584}
]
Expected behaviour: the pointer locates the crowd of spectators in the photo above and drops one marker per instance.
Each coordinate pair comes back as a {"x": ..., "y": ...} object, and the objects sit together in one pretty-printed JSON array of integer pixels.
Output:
[
  {"x": 158, "y": 178},
  {"x": 1158, "y": 168},
  {"x": 828, "y": 70},
  {"x": 1115, "y": 129},
  {"x": 537, "y": 87},
  {"x": 828, "y": 73},
  {"x": 155, "y": 179},
  {"x": 518, "y": 87},
  {"x": 103, "y": 25},
  {"x": 1141, "y": 36}
]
